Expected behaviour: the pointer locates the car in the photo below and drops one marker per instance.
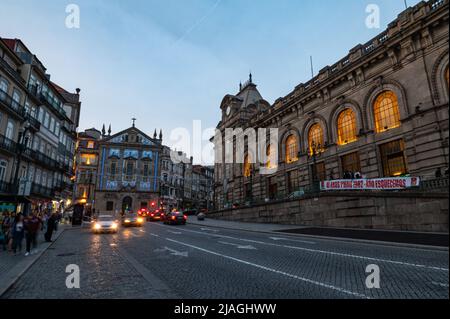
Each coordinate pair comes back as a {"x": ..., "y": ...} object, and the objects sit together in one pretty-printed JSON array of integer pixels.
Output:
[
  {"x": 133, "y": 220},
  {"x": 105, "y": 224},
  {"x": 201, "y": 216},
  {"x": 175, "y": 218},
  {"x": 157, "y": 215},
  {"x": 143, "y": 212}
]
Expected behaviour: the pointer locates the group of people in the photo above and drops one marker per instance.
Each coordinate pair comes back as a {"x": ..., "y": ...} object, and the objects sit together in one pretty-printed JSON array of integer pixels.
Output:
[
  {"x": 353, "y": 175},
  {"x": 14, "y": 228}
]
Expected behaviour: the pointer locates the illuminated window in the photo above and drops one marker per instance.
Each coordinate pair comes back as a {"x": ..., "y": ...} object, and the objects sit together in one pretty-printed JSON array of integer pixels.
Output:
[
  {"x": 351, "y": 163},
  {"x": 271, "y": 159},
  {"x": 346, "y": 127},
  {"x": 88, "y": 159},
  {"x": 90, "y": 144},
  {"x": 386, "y": 112},
  {"x": 315, "y": 139},
  {"x": 291, "y": 149},
  {"x": 393, "y": 158},
  {"x": 247, "y": 166}
]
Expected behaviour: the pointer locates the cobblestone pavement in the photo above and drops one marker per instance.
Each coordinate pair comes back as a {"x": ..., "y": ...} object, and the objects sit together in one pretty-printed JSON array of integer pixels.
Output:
[{"x": 159, "y": 261}]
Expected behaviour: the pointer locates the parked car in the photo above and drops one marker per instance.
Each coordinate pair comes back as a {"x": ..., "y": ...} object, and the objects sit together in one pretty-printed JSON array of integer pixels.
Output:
[
  {"x": 105, "y": 224},
  {"x": 175, "y": 218},
  {"x": 133, "y": 220}
]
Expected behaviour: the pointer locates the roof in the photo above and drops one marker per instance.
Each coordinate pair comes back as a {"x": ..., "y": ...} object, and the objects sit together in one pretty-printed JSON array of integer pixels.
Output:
[
  {"x": 11, "y": 43},
  {"x": 249, "y": 95}
]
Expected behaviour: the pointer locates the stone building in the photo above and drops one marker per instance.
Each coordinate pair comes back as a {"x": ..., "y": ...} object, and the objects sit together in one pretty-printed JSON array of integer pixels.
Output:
[
  {"x": 382, "y": 111},
  {"x": 203, "y": 187},
  {"x": 38, "y": 122},
  {"x": 128, "y": 171}
]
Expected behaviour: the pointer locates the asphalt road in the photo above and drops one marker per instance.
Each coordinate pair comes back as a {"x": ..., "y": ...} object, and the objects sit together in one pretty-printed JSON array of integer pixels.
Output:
[{"x": 190, "y": 262}]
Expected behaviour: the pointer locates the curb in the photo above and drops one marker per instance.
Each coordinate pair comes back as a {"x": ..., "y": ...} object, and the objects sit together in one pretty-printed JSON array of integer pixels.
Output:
[
  {"x": 351, "y": 240},
  {"x": 14, "y": 274}
]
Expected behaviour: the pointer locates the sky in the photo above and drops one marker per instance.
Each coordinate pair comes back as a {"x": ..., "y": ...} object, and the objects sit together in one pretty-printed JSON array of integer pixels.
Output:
[{"x": 169, "y": 62}]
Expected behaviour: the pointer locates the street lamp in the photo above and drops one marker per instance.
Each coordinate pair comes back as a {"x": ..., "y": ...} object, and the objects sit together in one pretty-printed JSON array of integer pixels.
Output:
[{"x": 315, "y": 150}]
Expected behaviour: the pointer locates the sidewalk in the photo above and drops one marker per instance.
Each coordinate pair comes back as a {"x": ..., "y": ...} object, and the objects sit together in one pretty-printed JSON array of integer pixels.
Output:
[
  {"x": 400, "y": 238},
  {"x": 13, "y": 267}
]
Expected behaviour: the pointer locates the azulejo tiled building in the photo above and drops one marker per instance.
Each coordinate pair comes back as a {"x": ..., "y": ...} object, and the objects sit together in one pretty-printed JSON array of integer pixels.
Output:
[
  {"x": 128, "y": 171},
  {"x": 382, "y": 111}
]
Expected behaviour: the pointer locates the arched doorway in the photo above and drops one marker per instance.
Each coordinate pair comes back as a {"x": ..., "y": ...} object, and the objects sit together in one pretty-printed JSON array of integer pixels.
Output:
[{"x": 127, "y": 204}]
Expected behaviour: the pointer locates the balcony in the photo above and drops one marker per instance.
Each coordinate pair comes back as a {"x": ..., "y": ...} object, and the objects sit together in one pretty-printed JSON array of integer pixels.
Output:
[
  {"x": 7, "y": 145},
  {"x": 42, "y": 191},
  {"x": 6, "y": 188},
  {"x": 12, "y": 105},
  {"x": 14, "y": 73},
  {"x": 33, "y": 122}
]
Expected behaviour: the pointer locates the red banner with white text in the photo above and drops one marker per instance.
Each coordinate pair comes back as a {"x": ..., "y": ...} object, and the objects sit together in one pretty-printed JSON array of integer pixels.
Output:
[{"x": 394, "y": 183}]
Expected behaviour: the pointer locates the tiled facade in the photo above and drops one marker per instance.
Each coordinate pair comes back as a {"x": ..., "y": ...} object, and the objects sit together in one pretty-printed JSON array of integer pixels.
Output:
[{"x": 380, "y": 111}]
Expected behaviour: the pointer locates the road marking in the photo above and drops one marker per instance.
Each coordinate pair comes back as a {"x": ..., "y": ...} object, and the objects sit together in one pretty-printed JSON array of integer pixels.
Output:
[
  {"x": 174, "y": 232},
  {"x": 317, "y": 283},
  {"x": 294, "y": 240},
  {"x": 440, "y": 284},
  {"x": 154, "y": 235},
  {"x": 141, "y": 231},
  {"x": 209, "y": 229},
  {"x": 172, "y": 252},
  {"x": 322, "y": 251},
  {"x": 249, "y": 247}
]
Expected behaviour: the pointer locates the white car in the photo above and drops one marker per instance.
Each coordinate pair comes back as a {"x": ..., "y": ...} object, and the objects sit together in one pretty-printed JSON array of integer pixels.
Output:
[{"x": 105, "y": 224}]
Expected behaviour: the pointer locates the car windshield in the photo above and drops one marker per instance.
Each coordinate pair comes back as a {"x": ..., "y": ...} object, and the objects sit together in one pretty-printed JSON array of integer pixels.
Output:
[
  {"x": 105, "y": 219},
  {"x": 131, "y": 215}
]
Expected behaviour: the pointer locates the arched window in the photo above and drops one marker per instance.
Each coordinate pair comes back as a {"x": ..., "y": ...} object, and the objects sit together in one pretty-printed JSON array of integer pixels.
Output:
[
  {"x": 271, "y": 158},
  {"x": 315, "y": 139},
  {"x": 346, "y": 124},
  {"x": 247, "y": 166},
  {"x": 291, "y": 149},
  {"x": 386, "y": 112}
]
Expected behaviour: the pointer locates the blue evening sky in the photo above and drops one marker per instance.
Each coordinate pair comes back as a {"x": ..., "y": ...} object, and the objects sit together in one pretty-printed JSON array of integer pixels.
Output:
[{"x": 168, "y": 62}]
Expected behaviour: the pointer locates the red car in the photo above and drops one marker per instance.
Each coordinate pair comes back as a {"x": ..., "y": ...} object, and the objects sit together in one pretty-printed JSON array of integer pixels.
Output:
[{"x": 157, "y": 215}]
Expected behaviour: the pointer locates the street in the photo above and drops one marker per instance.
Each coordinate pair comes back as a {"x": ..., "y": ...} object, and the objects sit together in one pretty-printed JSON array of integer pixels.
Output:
[{"x": 196, "y": 262}]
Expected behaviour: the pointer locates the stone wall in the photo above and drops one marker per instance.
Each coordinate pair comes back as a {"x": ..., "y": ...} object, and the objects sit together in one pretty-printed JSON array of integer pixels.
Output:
[{"x": 408, "y": 211}]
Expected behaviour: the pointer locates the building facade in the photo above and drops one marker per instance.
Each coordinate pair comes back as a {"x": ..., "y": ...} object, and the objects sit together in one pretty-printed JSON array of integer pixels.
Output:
[
  {"x": 203, "y": 187},
  {"x": 381, "y": 111},
  {"x": 38, "y": 122},
  {"x": 128, "y": 171}
]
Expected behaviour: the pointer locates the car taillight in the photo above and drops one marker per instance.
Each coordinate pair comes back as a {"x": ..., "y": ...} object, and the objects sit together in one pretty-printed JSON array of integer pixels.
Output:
[
  {"x": 173, "y": 217},
  {"x": 153, "y": 215},
  {"x": 185, "y": 216}
]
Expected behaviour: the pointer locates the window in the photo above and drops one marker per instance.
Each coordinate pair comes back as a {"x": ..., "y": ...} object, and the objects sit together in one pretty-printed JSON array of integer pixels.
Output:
[
  {"x": 351, "y": 163},
  {"x": 41, "y": 116},
  {"x": 52, "y": 124},
  {"x": 10, "y": 130},
  {"x": 315, "y": 139},
  {"x": 90, "y": 144},
  {"x": 109, "y": 206},
  {"x": 271, "y": 157},
  {"x": 386, "y": 112},
  {"x": 4, "y": 86},
  {"x": 320, "y": 172},
  {"x": 293, "y": 181},
  {"x": 247, "y": 166},
  {"x": 113, "y": 169},
  {"x": 16, "y": 99},
  {"x": 47, "y": 120},
  {"x": 346, "y": 127},
  {"x": 291, "y": 149},
  {"x": 57, "y": 129},
  {"x": 88, "y": 159},
  {"x": 393, "y": 158},
  {"x": 3, "y": 166},
  {"x": 273, "y": 187}
]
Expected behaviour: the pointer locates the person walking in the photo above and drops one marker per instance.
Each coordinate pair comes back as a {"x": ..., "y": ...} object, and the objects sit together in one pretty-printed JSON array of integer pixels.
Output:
[
  {"x": 31, "y": 224},
  {"x": 17, "y": 233},
  {"x": 51, "y": 224}
]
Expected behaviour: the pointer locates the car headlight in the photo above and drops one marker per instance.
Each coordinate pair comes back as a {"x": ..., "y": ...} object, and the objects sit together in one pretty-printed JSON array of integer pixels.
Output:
[
  {"x": 140, "y": 220},
  {"x": 114, "y": 226},
  {"x": 97, "y": 226},
  {"x": 127, "y": 221}
]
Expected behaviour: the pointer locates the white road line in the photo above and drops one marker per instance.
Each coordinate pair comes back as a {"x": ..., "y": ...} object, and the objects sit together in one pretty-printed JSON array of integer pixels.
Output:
[
  {"x": 317, "y": 283},
  {"x": 174, "y": 232},
  {"x": 154, "y": 235},
  {"x": 401, "y": 263},
  {"x": 293, "y": 240},
  {"x": 249, "y": 247},
  {"x": 440, "y": 284}
]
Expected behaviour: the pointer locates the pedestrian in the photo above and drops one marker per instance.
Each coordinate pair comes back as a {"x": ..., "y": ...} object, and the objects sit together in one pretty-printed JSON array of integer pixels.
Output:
[
  {"x": 17, "y": 233},
  {"x": 51, "y": 224},
  {"x": 6, "y": 228},
  {"x": 31, "y": 224}
]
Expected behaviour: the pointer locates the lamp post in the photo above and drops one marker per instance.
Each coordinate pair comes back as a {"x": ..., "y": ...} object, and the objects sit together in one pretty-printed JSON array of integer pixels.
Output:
[{"x": 315, "y": 150}]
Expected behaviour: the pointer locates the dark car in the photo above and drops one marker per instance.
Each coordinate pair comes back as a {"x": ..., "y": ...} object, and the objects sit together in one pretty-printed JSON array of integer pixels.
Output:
[
  {"x": 155, "y": 216},
  {"x": 175, "y": 218},
  {"x": 133, "y": 220}
]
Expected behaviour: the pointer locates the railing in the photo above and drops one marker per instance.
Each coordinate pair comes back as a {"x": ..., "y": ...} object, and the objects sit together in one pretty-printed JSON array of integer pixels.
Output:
[
  {"x": 7, "y": 144},
  {"x": 435, "y": 184},
  {"x": 42, "y": 190},
  {"x": 33, "y": 121},
  {"x": 5, "y": 187},
  {"x": 11, "y": 104},
  {"x": 11, "y": 71}
]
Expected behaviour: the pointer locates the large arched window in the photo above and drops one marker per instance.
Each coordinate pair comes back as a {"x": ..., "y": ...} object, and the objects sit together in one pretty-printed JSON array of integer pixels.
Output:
[
  {"x": 291, "y": 149},
  {"x": 386, "y": 112},
  {"x": 315, "y": 139},
  {"x": 346, "y": 124},
  {"x": 247, "y": 166},
  {"x": 271, "y": 159}
]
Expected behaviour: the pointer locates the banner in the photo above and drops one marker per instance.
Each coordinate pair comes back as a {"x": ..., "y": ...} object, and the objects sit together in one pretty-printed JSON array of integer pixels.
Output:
[{"x": 394, "y": 183}]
